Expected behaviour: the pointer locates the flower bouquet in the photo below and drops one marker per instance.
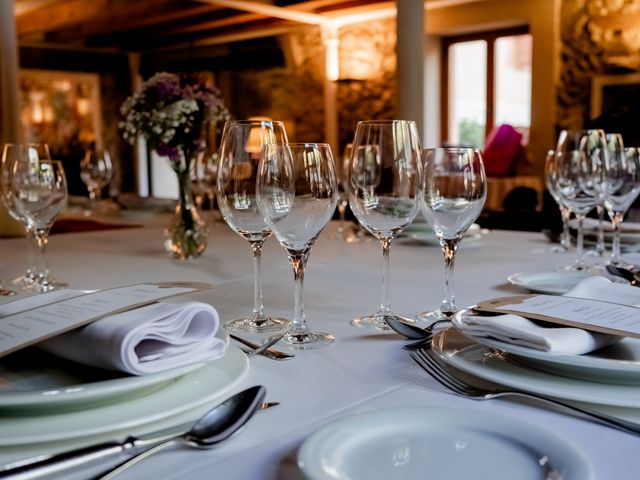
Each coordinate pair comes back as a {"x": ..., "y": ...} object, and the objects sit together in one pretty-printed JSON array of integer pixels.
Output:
[{"x": 172, "y": 114}]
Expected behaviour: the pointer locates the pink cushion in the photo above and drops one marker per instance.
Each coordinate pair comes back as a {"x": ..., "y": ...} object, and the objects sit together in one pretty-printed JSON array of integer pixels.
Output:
[{"x": 501, "y": 150}]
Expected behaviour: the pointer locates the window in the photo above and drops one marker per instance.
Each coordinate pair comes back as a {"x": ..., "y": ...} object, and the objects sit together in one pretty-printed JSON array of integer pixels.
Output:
[{"x": 486, "y": 82}]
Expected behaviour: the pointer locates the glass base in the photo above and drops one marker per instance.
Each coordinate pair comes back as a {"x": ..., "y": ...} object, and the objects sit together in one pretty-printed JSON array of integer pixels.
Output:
[
  {"x": 46, "y": 285},
  {"x": 308, "y": 340},
  {"x": 378, "y": 321},
  {"x": 258, "y": 324},
  {"x": 5, "y": 292},
  {"x": 435, "y": 316}
]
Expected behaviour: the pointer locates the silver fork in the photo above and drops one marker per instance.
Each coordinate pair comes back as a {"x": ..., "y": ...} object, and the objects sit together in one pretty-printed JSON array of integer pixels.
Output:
[
  {"x": 251, "y": 348},
  {"x": 427, "y": 360}
]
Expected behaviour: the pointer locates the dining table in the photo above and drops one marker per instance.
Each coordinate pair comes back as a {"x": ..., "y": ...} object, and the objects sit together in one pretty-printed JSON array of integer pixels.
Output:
[{"x": 362, "y": 371}]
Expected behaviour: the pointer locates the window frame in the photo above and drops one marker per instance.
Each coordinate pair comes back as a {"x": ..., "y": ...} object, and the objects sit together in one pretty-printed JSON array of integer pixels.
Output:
[{"x": 490, "y": 37}]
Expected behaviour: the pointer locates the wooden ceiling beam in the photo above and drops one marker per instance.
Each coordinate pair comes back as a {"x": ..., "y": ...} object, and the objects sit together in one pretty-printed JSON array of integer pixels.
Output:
[
  {"x": 59, "y": 15},
  {"x": 270, "y": 11},
  {"x": 140, "y": 16}
]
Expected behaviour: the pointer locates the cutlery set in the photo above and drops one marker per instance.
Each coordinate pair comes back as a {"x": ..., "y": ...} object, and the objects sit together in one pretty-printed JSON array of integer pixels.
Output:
[
  {"x": 426, "y": 359},
  {"x": 217, "y": 425},
  {"x": 422, "y": 353}
]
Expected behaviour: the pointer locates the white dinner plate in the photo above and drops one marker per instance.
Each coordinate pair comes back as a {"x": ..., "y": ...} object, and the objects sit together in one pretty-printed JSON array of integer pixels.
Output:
[
  {"x": 423, "y": 233},
  {"x": 484, "y": 362},
  {"x": 617, "y": 364},
  {"x": 552, "y": 282},
  {"x": 184, "y": 394},
  {"x": 33, "y": 381},
  {"x": 430, "y": 442}
]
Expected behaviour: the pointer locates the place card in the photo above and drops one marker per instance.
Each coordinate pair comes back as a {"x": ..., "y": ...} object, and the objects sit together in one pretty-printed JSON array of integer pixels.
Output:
[
  {"x": 36, "y": 324},
  {"x": 593, "y": 315}
]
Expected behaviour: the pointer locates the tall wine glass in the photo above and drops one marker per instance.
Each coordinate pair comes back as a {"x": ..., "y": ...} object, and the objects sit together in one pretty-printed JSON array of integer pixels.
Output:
[
  {"x": 551, "y": 182},
  {"x": 96, "y": 171},
  {"x": 621, "y": 188},
  {"x": 37, "y": 188},
  {"x": 580, "y": 155},
  {"x": 297, "y": 194},
  {"x": 454, "y": 188},
  {"x": 384, "y": 184},
  {"x": 240, "y": 151}
]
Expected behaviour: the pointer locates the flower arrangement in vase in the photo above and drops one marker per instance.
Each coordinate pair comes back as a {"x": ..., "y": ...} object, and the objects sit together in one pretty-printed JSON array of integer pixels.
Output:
[{"x": 172, "y": 113}]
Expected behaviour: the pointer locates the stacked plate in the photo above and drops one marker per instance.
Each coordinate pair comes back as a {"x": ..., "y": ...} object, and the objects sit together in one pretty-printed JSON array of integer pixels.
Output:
[
  {"x": 608, "y": 379},
  {"x": 629, "y": 232},
  {"x": 44, "y": 399},
  {"x": 421, "y": 232},
  {"x": 555, "y": 282}
]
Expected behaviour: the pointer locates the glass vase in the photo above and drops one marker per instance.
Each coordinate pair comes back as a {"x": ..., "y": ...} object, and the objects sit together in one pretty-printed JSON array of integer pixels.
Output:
[{"x": 186, "y": 234}]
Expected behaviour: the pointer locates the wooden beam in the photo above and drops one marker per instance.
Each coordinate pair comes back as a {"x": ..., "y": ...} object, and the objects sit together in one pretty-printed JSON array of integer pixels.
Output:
[
  {"x": 271, "y": 11},
  {"x": 138, "y": 15},
  {"x": 60, "y": 15}
]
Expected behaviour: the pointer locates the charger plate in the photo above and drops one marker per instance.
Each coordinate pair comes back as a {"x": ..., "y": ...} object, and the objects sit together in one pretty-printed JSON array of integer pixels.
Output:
[
  {"x": 617, "y": 363},
  {"x": 35, "y": 382},
  {"x": 430, "y": 442},
  {"x": 158, "y": 409},
  {"x": 484, "y": 362}
]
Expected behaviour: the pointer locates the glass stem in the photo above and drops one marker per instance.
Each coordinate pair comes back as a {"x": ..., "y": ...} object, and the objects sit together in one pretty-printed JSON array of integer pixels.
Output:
[
  {"x": 616, "y": 220},
  {"x": 42, "y": 239},
  {"x": 342, "y": 206},
  {"x": 565, "y": 239},
  {"x": 449, "y": 248},
  {"x": 258, "y": 308},
  {"x": 32, "y": 247},
  {"x": 600, "y": 248},
  {"x": 385, "y": 307},
  {"x": 298, "y": 261},
  {"x": 580, "y": 242}
]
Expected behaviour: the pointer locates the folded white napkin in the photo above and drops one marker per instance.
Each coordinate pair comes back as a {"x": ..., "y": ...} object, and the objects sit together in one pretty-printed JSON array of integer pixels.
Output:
[
  {"x": 563, "y": 340},
  {"x": 148, "y": 339}
]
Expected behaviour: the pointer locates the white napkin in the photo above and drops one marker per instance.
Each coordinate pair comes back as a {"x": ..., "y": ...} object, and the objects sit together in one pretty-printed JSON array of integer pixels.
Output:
[
  {"x": 562, "y": 340},
  {"x": 148, "y": 339}
]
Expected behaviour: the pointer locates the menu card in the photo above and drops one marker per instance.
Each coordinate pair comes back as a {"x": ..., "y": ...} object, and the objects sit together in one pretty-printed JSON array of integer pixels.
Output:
[
  {"x": 593, "y": 315},
  {"x": 36, "y": 324}
]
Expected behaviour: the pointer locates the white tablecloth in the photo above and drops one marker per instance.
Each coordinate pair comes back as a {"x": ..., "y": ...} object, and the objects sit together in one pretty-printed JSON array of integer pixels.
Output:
[{"x": 362, "y": 371}]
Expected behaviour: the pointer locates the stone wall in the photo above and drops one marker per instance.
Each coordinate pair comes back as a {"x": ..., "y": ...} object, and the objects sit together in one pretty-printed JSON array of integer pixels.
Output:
[
  {"x": 598, "y": 37},
  {"x": 294, "y": 93},
  {"x": 368, "y": 67}
]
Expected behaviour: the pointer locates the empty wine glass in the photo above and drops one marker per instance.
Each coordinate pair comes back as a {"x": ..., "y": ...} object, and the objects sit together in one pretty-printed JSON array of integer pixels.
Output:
[
  {"x": 454, "y": 189},
  {"x": 37, "y": 188},
  {"x": 384, "y": 184},
  {"x": 551, "y": 182},
  {"x": 26, "y": 281},
  {"x": 96, "y": 171},
  {"x": 240, "y": 152},
  {"x": 621, "y": 188},
  {"x": 343, "y": 198},
  {"x": 580, "y": 156},
  {"x": 297, "y": 194}
]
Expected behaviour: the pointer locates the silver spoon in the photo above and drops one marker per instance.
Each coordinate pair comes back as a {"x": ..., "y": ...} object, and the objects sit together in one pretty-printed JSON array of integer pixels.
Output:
[
  {"x": 218, "y": 424},
  {"x": 412, "y": 331}
]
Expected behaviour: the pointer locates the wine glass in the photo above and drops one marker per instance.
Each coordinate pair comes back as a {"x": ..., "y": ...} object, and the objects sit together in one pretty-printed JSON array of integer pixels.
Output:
[
  {"x": 551, "y": 182},
  {"x": 37, "y": 189},
  {"x": 384, "y": 184},
  {"x": 454, "y": 189},
  {"x": 621, "y": 188},
  {"x": 297, "y": 194},
  {"x": 240, "y": 151},
  {"x": 343, "y": 198},
  {"x": 26, "y": 281},
  {"x": 580, "y": 156},
  {"x": 96, "y": 171}
]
